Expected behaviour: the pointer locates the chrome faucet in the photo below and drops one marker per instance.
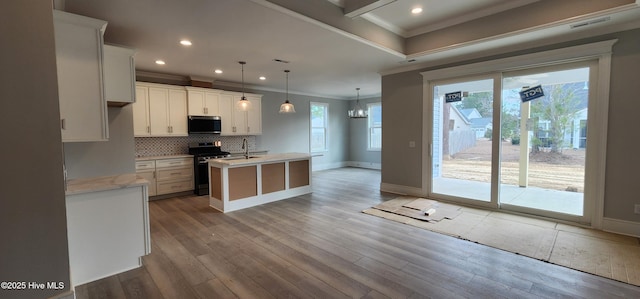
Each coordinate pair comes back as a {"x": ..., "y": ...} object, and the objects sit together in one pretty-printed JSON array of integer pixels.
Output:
[{"x": 245, "y": 147}]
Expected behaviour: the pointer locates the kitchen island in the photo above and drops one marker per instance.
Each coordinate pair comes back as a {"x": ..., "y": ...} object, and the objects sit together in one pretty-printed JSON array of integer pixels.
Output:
[{"x": 239, "y": 182}]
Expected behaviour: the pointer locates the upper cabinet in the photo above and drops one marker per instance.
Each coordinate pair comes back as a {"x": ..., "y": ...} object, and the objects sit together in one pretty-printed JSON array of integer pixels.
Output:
[
  {"x": 236, "y": 122},
  {"x": 160, "y": 110},
  {"x": 119, "y": 75},
  {"x": 203, "y": 101},
  {"x": 79, "y": 58},
  {"x": 214, "y": 102},
  {"x": 141, "y": 123}
]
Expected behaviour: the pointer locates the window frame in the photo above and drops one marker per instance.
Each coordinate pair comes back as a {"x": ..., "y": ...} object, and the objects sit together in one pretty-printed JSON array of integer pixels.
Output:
[
  {"x": 325, "y": 126},
  {"x": 370, "y": 126}
]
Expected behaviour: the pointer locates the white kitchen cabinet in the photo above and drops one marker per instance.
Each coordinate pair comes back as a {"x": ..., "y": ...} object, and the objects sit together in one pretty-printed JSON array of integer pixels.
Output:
[
  {"x": 202, "y": 101},
  {"x": 254, "y": 115},
  {"x": 225, "y": 108},
  {"x": 240, "y": 122},
  {"x": 141, "y": 118},
  {"x": 161, "y": 110},
  {"x": 79, "y": 58},
  {"x": 108, "y": 232},
  {"x": 119, "y": 75}
]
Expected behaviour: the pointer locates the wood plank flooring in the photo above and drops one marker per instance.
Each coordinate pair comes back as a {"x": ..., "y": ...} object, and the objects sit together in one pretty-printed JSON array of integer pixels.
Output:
[{"x": 320, "y": 245}]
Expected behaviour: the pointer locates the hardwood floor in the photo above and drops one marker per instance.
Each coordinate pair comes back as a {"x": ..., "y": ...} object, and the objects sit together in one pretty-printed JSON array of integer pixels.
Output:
[{"x": 320, "y": 245}]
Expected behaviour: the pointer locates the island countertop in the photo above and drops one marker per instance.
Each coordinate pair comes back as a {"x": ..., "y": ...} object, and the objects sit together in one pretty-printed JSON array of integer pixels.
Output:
[{"x": 257, "y": 159}]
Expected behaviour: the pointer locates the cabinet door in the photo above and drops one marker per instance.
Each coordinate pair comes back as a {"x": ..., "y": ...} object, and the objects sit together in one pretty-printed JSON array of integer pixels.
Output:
[
  {"x": 149, "y": 175},
  {"x": 225, "y": 105},
  {"x": 196, "y": 103},
  {"x": 141, "y": 125},
  {"x": 211, "y": 104},
  {"x": 83, "y": 109},
  {"x": 178, "y": 112},
  {"x": 254, "y": 116},
  {"x": 159, "y": 111},
  {"x": 239, "y": 118},
  {"x": 119, "y": 75}
]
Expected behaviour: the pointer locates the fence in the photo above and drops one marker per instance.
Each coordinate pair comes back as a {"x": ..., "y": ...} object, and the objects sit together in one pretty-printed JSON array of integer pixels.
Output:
[{"x": 461, "y": 140}]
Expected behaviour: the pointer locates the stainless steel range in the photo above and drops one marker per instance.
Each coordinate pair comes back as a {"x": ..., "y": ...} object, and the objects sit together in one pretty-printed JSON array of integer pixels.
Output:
[{"x": 202, "y": 152}]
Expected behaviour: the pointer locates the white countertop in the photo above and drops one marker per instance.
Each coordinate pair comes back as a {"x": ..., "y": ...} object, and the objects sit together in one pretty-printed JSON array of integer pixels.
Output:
[
  {"x": 79, "y": 186},
  {"x": 258, "y": 159},
  {"x": 163, "y": 157}
]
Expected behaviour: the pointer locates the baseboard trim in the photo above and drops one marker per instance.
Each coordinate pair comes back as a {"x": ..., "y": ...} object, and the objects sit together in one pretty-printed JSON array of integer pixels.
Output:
[
  {"x": 325, "y": 166},
  {"x": 400, "y": 189},
  {"x": 622, "y": 227},
  {"x": 367, "y": 165}
]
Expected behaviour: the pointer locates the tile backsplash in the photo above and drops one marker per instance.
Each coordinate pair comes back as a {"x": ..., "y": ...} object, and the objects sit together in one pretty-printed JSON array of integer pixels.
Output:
[{"x": 164, "y": 146}]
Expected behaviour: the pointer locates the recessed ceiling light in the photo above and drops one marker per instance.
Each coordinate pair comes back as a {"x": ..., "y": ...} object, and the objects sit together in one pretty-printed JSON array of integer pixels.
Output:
[
  {"x": 416, "y": 10},
  {"x": 185, "y": 42},
  {"x": 160, "y": 62},
  {"x": 218, "y": 71},
  {"x": 263, "y": 78}
]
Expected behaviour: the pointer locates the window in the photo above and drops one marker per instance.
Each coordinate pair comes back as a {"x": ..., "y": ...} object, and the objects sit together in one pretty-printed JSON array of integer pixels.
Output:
[
  {"x": 319, "y": 126},
  {"x": 375, "y": 126}
]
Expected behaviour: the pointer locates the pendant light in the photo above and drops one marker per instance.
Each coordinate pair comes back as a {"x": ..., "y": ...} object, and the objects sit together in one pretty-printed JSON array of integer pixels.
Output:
[
  {"x": 243, "y": 104},
  {"x": 357, "y": 111},
  {"x": 287, "y": 107}
]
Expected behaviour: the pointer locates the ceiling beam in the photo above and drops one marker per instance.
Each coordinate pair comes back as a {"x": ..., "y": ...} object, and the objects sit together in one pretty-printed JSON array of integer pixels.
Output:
[{"x": 356, "y": 8}]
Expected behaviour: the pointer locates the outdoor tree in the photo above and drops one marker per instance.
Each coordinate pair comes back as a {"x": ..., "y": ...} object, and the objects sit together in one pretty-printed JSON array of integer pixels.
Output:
[
  {"x": 559, "y": 106},
  {"x": 510, "y": 125},
  {"x": 482, "y": 101}
]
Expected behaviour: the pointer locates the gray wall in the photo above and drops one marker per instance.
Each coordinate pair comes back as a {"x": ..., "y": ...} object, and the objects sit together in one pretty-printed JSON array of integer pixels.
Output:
[
  {"x": 402, "y": 121},
  {"x": 358, "y": 137},
  {"x": 623, "y": 161},
  {"x": 33, "y": 222},
  {"x": 290, "y": 132},
  {"x": 116, "y": 156}
]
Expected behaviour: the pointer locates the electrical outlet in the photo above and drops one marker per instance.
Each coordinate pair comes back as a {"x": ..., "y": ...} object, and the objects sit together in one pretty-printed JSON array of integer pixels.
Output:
[
  {"x": 412, "y": 144},
  {"x": 637, "y": 209}
]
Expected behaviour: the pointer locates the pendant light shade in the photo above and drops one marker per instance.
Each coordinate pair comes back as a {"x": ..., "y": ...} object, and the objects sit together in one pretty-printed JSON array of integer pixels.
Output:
[
  {"x": 287, "y": 107},
  {"x": 243, "y": 104},
  {"x": 357, "y": 111}
]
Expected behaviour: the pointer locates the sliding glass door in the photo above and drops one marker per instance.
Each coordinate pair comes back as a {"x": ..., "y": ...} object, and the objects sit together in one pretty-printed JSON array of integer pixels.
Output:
[
  {"x": 513, "y": 140},
  {"x": 462, "y": 148},
  {"x": 544, "y": 140}
]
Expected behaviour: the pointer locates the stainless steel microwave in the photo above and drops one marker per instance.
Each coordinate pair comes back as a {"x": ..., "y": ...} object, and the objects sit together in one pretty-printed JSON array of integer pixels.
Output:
[{"x": 204, "y": 124}]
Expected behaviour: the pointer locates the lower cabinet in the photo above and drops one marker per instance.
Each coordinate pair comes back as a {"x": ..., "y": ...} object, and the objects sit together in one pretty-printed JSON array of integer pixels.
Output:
[
  {"x": 170, "y": 175},
  {"x": 147, "y": 170},
  {"x": 108, "y": 232}
]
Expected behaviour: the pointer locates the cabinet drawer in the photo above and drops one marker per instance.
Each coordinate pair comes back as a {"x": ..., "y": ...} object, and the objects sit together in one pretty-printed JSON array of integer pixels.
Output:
[
  {"x": 145, "y": 165},
  {"x": 174, "y": 186},
  {"x": 164, "y": 163},
  {"x": 174, "y": 174}
]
